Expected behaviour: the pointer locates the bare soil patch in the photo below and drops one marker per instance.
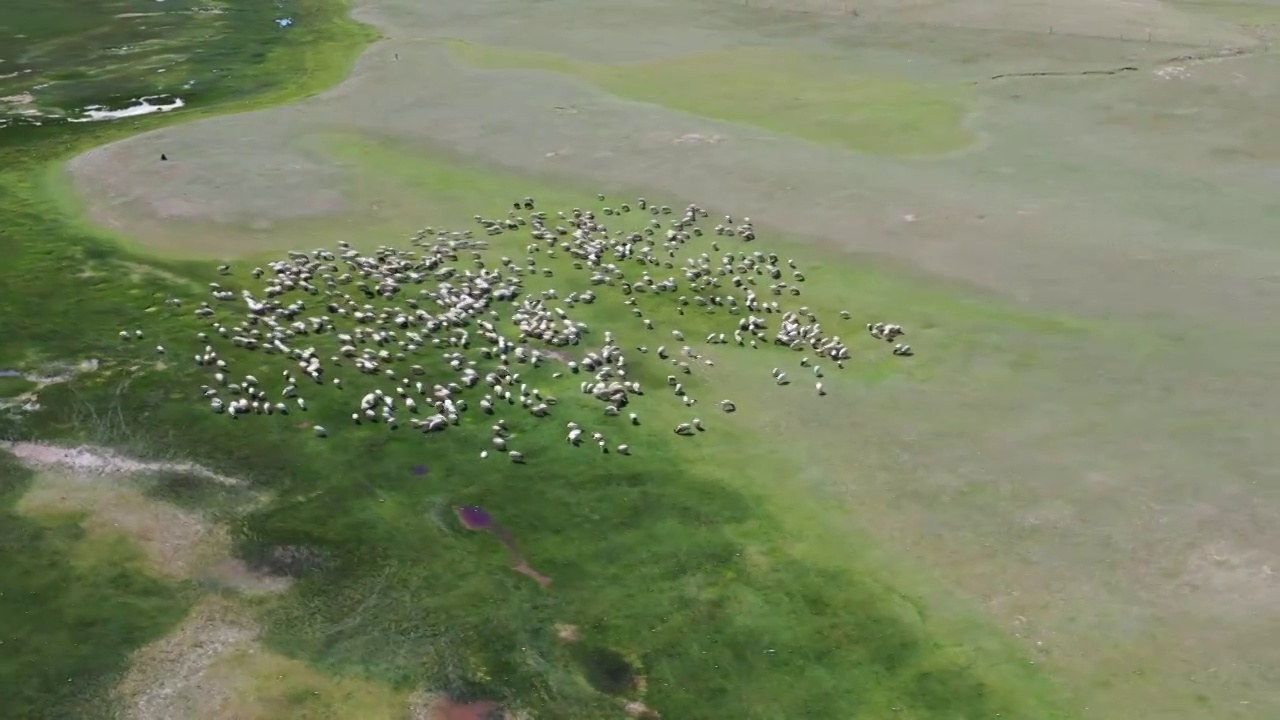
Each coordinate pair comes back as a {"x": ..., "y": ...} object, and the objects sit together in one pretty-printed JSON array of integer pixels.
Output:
[
  {"x": 171, "y": 678},
  {"x": 439, "y": 707},
  {"x": 90, "y": 460},
  {"x": 176, "y": 542},
  {"x": 1226, "y": 578},
  {"x": 214, "y": 667}
]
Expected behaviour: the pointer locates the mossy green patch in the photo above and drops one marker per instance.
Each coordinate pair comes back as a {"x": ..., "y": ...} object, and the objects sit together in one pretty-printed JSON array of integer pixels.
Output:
[
  {"x": 13, "y": 386},
  {"x": 809, "y": 97}
]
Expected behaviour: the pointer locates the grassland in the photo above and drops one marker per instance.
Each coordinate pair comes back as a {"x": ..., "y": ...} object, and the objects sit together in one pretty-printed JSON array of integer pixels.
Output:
[
  {"x": 785, "y": 93},
  {"x": 400, "y": 597},
  {"x": 75, "y": 607},
  {"x": 707, "y": 591},
  {"x": 60, "y": 57},
  {"x": 1053, "y": 471}
]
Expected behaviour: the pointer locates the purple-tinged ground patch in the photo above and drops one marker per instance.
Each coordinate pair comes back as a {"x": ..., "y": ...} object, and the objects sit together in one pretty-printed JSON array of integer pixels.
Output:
[{"x": 474, "y": 517}]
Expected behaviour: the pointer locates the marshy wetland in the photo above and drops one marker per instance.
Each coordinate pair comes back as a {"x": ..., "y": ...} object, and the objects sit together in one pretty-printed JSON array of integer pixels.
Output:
[{"x": 557, "y": 476}]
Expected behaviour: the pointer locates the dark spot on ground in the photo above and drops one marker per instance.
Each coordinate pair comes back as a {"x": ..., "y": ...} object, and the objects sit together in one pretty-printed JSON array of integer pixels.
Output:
[{"x": 608, "y": 671}]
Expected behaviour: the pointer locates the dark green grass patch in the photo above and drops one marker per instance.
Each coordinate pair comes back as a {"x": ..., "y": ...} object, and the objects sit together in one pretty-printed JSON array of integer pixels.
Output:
[
  {"x": 13, "y": 386},
  {"x": 198, "y": 493},
  {"x": 70, "y": 610},
  {"x": 68, "y": 55}
]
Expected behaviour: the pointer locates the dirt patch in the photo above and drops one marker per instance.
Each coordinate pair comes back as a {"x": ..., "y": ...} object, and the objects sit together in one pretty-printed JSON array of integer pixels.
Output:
[
  {"x": 568, "y": 633},
  {"x": 139, "y": 272},
  {"x": 698, "y": 139},
  {"x": 90, "y": 460},
  {"x": 19, "y": 99},
  {"x": 214, "y": 667},
  {"x": 176, "y": 542},
  {"x": 171, "y": 678},
  {"x": 1231, "y": 579},
  {"x": 439, "y": 707}
]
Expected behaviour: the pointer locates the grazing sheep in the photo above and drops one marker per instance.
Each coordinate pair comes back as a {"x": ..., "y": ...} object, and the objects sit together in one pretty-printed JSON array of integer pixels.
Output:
[{"x": 457, "y": 323}]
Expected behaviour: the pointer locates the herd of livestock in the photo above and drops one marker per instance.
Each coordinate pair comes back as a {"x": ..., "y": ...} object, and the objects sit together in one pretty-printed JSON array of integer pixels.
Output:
[{"x": 447, "y": 327}]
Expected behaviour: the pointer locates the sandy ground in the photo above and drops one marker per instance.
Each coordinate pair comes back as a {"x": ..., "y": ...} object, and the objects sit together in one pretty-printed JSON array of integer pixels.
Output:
[{"x": 1117, "y": 504}]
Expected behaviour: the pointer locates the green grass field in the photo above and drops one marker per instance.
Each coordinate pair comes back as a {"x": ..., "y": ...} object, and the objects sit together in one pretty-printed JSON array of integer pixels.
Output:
[
  {"x": 731, "y": 592},
  {"x": 73, "y": 611},
  {"x": 671, "y": 557},
  {"x": 11, "y": 387}
]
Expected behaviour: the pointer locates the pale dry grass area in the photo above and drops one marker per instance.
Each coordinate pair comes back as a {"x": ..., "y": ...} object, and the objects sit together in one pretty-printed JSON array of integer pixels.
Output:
[
  {"x": 214, "y": 667},
  {"x": 102, "y": 488}
]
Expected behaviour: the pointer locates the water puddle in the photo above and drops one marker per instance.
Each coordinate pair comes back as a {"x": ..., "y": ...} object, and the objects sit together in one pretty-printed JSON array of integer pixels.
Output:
[{"x": 145, "y": 106}]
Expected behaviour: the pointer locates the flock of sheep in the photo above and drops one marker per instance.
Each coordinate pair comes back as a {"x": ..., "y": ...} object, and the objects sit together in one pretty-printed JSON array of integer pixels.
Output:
[{"x": 383, "y": 314}]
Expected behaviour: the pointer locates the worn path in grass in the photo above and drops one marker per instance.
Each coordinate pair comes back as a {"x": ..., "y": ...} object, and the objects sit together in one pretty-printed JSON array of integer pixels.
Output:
[{"x": 1130, "y": 470}]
